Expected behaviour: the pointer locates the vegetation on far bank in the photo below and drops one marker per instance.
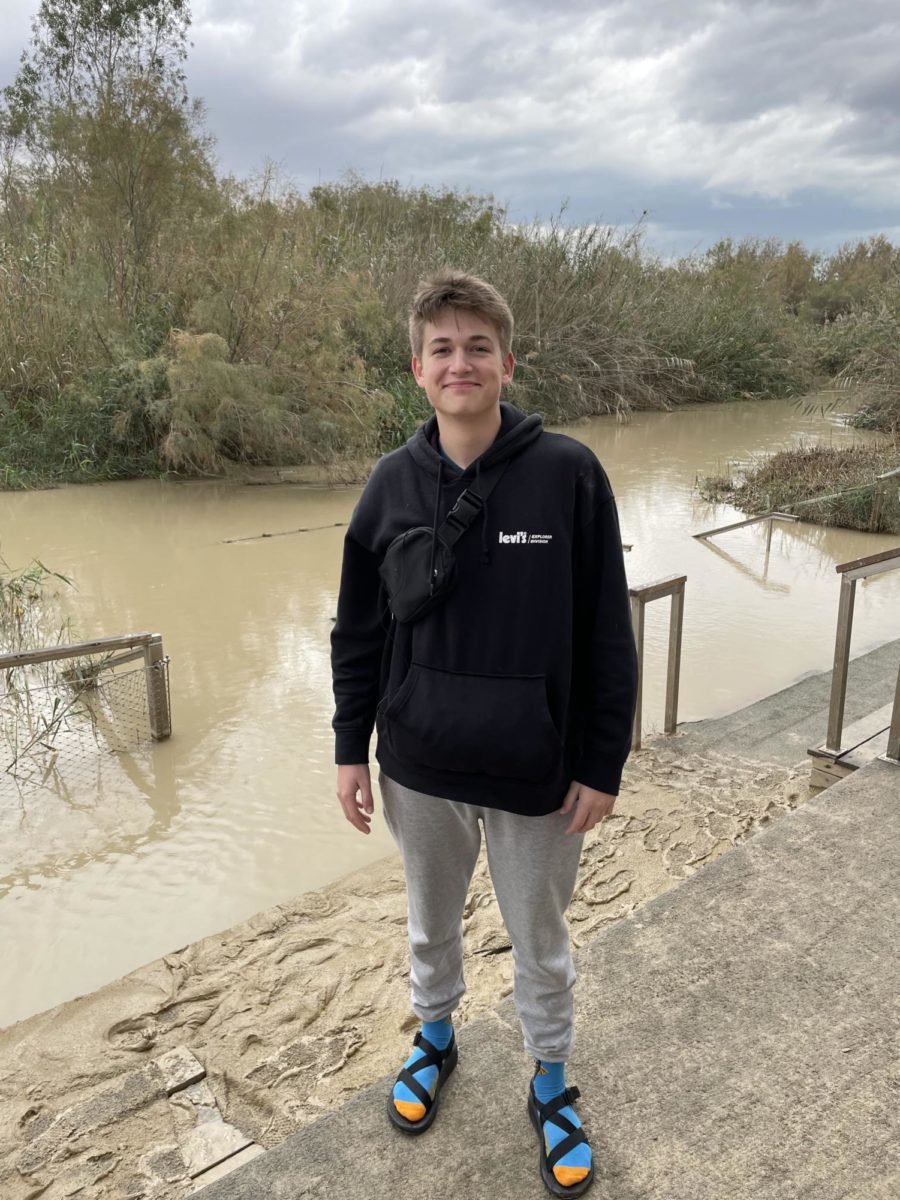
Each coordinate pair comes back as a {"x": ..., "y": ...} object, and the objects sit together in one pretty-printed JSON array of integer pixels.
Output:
[
  {"x": 827, "y": 484},
  {"x": 157, "y": 317}
]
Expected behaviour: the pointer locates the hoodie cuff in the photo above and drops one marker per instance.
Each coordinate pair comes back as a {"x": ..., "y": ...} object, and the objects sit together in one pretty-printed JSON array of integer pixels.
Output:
[
  {"x": 350, "y": 747},
  {"x": 600, "y": 774}
]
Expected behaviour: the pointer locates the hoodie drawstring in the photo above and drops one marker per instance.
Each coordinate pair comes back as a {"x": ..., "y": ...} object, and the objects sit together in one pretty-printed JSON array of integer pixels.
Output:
[
  {"x": 434, "y": 525},
  {"x": 485, "y": 548}
]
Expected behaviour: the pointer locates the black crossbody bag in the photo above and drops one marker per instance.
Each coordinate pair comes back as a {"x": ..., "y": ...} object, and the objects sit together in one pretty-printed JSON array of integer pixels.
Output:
[{"x": 419, "y": 568}]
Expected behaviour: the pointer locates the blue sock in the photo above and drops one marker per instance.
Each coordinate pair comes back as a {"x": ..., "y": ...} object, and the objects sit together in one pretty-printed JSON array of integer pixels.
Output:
[
  {"x": 550, "y": 1081},
  {"x": 406, "y": 1103}
]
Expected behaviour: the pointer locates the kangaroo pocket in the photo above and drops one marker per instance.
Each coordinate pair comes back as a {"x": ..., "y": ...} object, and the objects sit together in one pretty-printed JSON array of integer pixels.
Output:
[{"x": 496, "y": 725}]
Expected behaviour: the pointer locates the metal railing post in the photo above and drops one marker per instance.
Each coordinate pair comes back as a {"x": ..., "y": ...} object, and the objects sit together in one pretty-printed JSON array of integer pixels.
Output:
[
  {"x": 637, "y": 624},
  {"x": 893, "y": 746},
  {"x": 673, "y": 668},
  {"x": 640, "y": 598},
  {"x": 157, "y": 691},
  {"x": 841, "y": 665}
]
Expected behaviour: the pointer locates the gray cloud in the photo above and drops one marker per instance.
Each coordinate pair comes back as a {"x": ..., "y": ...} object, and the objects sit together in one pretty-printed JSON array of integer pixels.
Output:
[{"x": 702, "y": 110}]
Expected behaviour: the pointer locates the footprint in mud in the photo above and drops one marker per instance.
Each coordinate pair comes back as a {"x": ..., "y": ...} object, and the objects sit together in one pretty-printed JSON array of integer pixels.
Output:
[
  {"x": 722, "y": 827},
  {"x": 135, "y": 1033},
  {"x": 659, "y": 836},
  {"x": 677, "y": 859}
]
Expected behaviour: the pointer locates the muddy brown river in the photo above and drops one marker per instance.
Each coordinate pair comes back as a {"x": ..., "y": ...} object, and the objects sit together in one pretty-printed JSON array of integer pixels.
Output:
[{"x": 236, "y": 812}]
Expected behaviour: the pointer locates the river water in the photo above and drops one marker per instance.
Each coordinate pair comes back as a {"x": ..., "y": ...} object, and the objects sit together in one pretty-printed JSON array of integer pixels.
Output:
[{"x": 236, "y": 812}]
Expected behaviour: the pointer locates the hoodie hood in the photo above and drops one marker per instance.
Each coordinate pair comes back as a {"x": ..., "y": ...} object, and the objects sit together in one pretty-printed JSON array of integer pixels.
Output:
[{"x": 516, "y": 432}]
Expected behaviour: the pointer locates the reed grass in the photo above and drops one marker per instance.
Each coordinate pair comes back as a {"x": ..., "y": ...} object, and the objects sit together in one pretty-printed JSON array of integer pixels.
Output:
[
  {"x": 825, "y": 484},
  {"x": 270, "y": 327}
]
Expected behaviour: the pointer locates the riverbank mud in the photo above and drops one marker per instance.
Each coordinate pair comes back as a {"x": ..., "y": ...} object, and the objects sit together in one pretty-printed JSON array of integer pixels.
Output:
[{"x": 293, "y": 1011}]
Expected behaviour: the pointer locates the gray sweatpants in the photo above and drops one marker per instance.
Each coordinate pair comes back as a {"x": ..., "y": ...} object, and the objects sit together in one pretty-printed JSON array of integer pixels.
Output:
[{"x": 533, "y": 866}]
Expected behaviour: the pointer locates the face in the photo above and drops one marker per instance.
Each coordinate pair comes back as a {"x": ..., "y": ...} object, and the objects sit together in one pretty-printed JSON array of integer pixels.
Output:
[{"x": 462, "y": 368}]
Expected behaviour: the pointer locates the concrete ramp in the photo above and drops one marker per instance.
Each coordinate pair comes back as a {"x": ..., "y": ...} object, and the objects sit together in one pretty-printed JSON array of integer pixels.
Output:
[{"x": 739, "y": 1037}]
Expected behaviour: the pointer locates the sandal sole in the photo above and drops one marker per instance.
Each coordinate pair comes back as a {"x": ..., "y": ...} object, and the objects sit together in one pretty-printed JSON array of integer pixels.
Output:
[{"x": 415, "y": 1127}]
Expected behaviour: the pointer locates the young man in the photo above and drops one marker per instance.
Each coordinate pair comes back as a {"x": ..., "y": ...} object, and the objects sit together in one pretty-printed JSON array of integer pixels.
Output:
[{"x": 507, "y": 702}]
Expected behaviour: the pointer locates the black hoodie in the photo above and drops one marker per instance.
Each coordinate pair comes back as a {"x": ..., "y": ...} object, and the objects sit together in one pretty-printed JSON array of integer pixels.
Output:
[{"x": 524, "y": 679}]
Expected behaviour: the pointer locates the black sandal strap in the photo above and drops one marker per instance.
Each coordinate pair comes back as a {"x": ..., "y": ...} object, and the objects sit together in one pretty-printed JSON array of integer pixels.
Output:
[
  {"x": 551, "y": 1111},
  {"x": 431, "y": 1056},
  {"x": 436, "y": 1057},
  {"x": 547, "y": 1110},
  {"x": 415, "y": 1087},
  {"x": 561, "y": 1149}
]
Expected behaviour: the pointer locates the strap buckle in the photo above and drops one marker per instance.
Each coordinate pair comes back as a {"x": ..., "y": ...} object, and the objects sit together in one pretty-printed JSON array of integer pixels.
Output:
[{"x": 467, "y": 507}]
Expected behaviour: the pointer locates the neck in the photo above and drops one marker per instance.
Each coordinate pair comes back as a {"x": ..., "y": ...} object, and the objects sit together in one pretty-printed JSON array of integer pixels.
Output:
[{"x": 466, "y": 438}]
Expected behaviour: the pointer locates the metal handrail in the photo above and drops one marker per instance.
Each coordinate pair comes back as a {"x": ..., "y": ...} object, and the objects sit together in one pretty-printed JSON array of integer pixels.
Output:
[
  {"x": 769, "y": 516},
  {"x": 146, "y": 645},
  {"x": 25, "y": 658},
  {"x": 673, "y": 586},
  {"x": 850, "y": 572}
]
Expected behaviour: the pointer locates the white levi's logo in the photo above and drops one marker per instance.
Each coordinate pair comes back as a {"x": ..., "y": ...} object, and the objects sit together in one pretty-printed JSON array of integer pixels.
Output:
[{"x": 521, "y": 538}]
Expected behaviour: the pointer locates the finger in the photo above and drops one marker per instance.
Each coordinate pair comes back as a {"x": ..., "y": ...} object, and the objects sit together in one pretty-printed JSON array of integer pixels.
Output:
[
  {"x": 365, "y": 795},
  {"x": 357, "y": 819},
  {"x": 576, "y": 825},
  {"x": 570, "y": 798}
]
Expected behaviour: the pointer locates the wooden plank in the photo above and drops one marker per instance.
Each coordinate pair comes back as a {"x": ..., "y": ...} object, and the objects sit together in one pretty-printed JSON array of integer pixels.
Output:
[
  {"x": 882, "y": 561},
  {"x": 662, "y": 587},
  {"x": 823, "y": 777},
  {"x": 75, "y": 650}
]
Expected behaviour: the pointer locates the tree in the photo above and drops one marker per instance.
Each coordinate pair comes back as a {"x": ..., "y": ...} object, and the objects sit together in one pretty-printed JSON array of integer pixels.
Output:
[
  {"x": 100, "y": 118},
  {"x": 81, "y": 50}
]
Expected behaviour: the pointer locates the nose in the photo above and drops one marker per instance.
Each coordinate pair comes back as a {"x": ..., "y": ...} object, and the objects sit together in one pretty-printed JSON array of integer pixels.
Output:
[{"x": 459, "y": 361}]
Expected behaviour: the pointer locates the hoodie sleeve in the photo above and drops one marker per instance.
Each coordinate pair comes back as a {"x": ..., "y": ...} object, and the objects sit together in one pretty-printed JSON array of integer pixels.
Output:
[
  {"x": 605, "y": 660},
  {"x": 357, "y": 646}
]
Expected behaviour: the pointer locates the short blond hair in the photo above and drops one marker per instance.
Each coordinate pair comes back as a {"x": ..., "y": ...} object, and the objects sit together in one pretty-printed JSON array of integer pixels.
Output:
[{"x": 458, "y": 290}]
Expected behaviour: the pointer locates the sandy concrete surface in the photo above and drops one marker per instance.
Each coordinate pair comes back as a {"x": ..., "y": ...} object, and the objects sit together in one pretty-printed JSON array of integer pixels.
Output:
[
  {"x": 739, "y": 1041},
  {"x": 294, "y": 1011}
]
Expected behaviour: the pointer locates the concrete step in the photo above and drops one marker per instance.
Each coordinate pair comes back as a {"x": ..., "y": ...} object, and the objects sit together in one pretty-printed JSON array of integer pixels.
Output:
[
  {"x": 780, "y": 728},
  {"x": 737, "y": 1039}
]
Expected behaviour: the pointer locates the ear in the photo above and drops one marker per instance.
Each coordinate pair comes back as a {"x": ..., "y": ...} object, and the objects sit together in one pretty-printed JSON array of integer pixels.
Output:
[
  {"x": 417, "y": 371},
  {"x": 509, "y": 366}
]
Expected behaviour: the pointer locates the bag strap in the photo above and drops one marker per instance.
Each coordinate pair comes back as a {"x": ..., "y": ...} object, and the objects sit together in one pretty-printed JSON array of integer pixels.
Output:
[{"x": 468, "y": 506}]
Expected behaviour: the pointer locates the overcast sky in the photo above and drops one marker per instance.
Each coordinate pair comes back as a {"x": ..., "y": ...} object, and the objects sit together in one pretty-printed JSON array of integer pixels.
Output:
[{"x": 717, "y": 117}]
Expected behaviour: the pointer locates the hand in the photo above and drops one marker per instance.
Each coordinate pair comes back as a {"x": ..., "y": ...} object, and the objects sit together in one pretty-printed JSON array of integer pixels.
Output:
[
  {"x": 354, "y": 790},
  {"x": 590, "y": 806}
]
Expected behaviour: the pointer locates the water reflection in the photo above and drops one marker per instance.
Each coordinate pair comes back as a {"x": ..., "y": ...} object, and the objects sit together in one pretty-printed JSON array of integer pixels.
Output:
[{"x": 761, "y": 578}]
